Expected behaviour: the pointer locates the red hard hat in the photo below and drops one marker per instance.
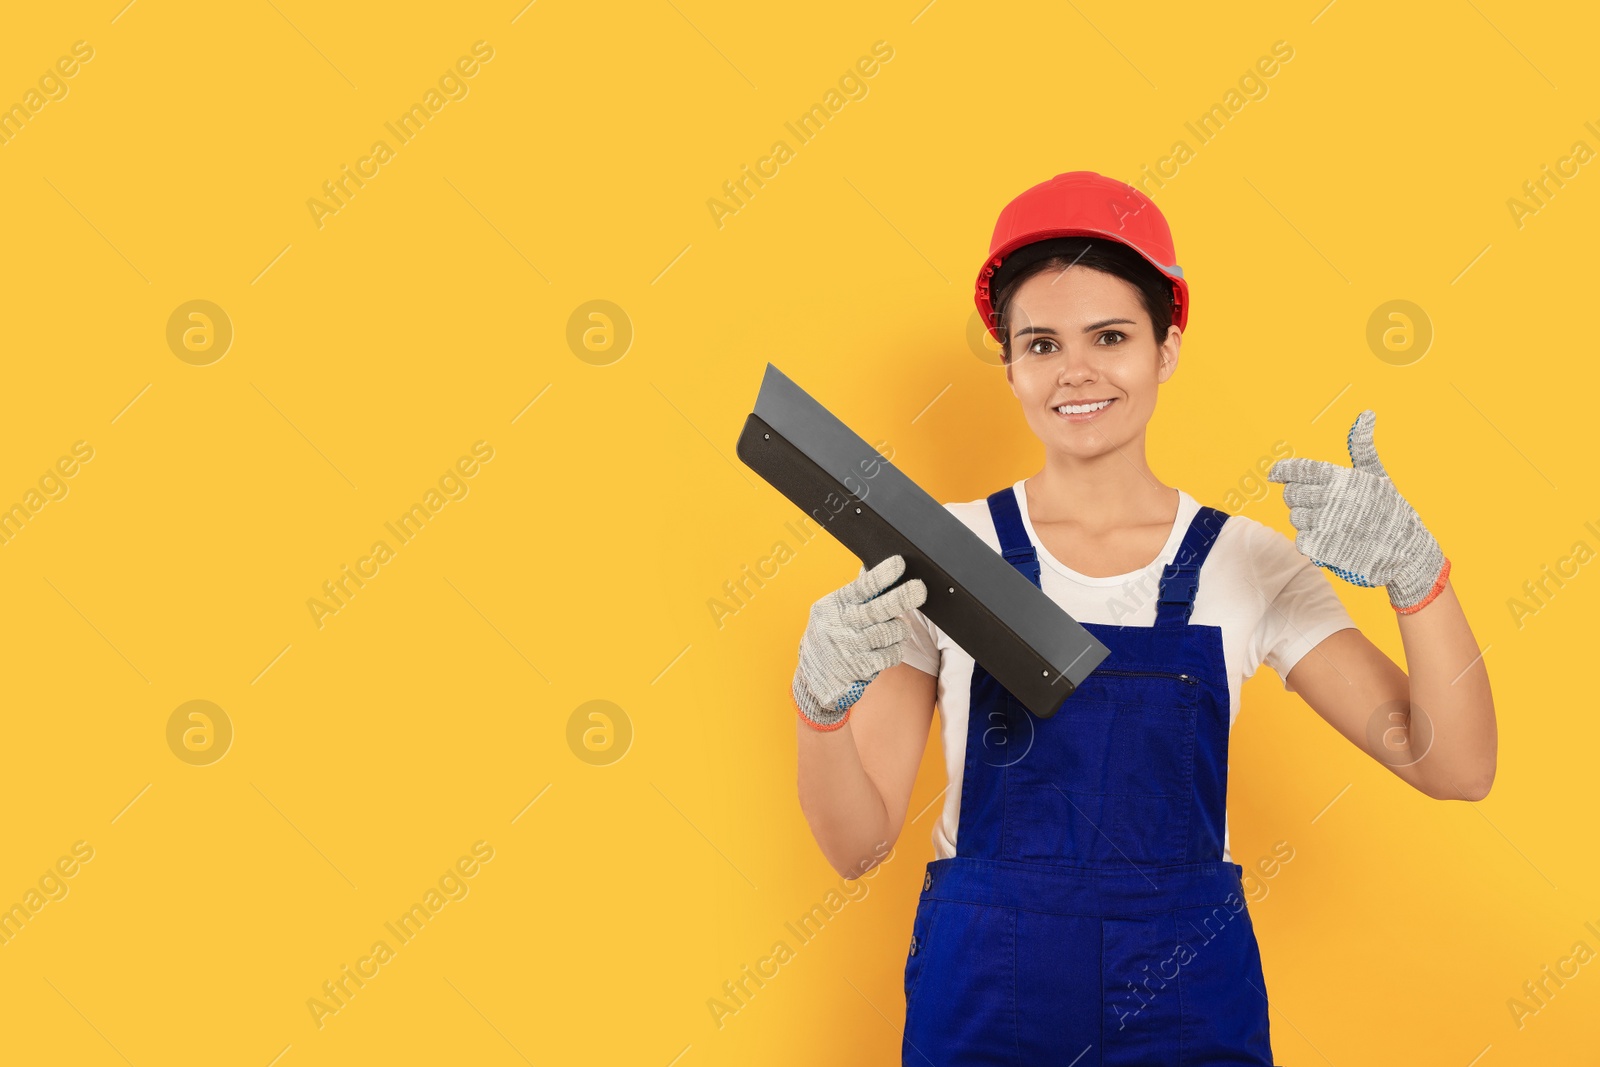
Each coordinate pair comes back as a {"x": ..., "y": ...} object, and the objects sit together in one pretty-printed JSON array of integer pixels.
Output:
[{"x": 1079, "y": 203}]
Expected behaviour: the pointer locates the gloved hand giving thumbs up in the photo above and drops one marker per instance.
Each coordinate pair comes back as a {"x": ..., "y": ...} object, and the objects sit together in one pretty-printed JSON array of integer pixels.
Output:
[
  {"x": 851, "y": 637},
  {"x": 1353, "y": 521}
]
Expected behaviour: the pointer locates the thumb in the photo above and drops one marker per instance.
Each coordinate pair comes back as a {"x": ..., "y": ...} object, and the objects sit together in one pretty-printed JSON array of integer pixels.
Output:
[
  {"x": 872, "y": 582},
  {"x": 1363, "y": 453}
]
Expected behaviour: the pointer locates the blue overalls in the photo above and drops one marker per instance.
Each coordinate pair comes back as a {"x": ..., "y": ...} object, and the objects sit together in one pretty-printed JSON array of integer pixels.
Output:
[{"x": 1089, "y": 918}]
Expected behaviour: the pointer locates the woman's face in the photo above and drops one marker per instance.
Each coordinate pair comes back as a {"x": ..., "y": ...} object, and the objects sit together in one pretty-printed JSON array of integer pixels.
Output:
[{"x": 1077, "y": 336}]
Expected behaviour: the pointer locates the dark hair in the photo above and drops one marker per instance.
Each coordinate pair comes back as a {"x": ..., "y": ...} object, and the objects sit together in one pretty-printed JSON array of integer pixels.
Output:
[{"x": 1095, "y": 253}]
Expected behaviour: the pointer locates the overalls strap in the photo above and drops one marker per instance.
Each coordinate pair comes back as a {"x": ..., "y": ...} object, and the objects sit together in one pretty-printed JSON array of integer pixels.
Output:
[
  {"x": 1014, "y": 543},
  {"x": 1180, "y": 579}
]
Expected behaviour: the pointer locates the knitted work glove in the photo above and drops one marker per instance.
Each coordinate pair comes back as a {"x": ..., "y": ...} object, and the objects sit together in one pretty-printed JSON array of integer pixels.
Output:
[
  {"x": 851, "y": 637},
  {"x": 1355, "y": 523}
]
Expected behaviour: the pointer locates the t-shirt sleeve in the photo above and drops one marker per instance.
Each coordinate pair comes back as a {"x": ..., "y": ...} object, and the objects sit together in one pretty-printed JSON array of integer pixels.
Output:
[
  {"x": 920, "y": 649},
  {"x": 1303, "y": 609}
]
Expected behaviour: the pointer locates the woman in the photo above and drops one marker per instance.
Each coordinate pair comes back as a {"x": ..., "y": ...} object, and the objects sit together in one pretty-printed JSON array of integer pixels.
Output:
[{"x": 1083, "y": 906}]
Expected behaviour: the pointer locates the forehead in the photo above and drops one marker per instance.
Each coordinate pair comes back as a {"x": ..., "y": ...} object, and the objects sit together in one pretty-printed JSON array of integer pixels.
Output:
[
  {"x": 1070, "y": 299},
  {"x": 1074, "y": 286}
]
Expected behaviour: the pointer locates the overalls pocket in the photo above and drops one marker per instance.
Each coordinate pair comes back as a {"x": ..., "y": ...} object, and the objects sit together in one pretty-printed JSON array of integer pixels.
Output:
[
  {"x": 1224, "y": 991},
  {"x": 1110, "y": 778},
  {"x": 963, "y": 979}
]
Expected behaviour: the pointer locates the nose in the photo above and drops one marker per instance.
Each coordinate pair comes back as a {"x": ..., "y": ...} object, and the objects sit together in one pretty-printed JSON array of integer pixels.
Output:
[{"x": 1076, "y": 365}]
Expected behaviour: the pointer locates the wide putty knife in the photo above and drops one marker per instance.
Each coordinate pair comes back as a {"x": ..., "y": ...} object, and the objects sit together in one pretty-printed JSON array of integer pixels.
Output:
[{"x": 1032, "y": 647}]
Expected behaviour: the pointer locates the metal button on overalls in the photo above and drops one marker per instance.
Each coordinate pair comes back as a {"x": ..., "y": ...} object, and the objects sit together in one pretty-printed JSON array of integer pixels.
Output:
[{"x": 1088, "y": 916}]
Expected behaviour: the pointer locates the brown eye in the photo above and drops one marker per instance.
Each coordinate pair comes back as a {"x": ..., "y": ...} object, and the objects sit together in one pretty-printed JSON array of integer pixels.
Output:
[{"x": 1118, "y": 334}]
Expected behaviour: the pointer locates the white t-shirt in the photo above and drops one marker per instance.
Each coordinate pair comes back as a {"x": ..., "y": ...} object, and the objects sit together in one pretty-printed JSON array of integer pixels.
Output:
[{"x": 1273, "y": 604}]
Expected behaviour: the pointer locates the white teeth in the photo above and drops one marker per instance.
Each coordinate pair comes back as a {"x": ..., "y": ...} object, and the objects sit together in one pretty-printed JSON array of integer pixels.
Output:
[{"x": 1081, "y": 409}]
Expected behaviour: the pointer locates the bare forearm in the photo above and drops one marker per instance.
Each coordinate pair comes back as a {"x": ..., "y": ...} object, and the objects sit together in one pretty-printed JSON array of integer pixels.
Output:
[
  {"x": 846, "y": 813},
  {"x": 1452, "y": 724}
]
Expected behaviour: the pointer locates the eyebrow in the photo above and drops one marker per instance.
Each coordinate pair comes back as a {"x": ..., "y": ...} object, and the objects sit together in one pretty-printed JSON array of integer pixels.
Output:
[{"x": 1087, "y": 329}]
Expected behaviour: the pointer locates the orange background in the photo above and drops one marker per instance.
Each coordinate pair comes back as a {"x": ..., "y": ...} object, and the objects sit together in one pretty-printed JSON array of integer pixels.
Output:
[{"x": 346, "y": 360}]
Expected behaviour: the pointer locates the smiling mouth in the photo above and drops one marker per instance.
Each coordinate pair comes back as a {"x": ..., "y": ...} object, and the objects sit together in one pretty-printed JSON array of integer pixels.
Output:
[{"x": 1082, "y": 412}]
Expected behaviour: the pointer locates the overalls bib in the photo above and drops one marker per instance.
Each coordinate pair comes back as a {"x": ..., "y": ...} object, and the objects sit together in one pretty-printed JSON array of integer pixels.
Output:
[{"x": 1089, "y": 918}]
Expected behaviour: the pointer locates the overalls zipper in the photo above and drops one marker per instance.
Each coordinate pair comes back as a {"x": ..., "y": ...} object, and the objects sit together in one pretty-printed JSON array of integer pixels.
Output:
[{"x": 1187, "y": 678}]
